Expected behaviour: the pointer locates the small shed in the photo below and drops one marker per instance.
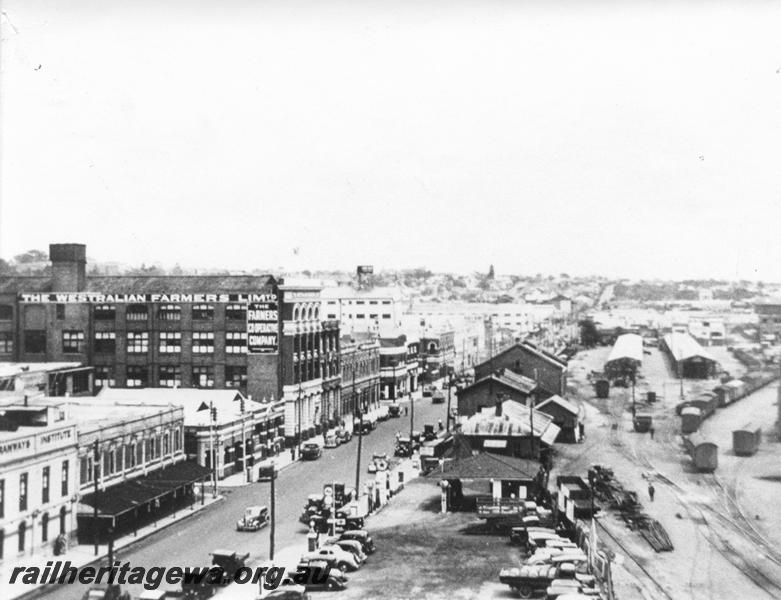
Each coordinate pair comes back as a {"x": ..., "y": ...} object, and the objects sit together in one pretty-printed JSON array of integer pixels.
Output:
[
  {"x": 565, "y": 415},
  {"x": 691, "y": 416},
  {"x": 746, "y": 440},
  {"x": 704, "y": 454}
]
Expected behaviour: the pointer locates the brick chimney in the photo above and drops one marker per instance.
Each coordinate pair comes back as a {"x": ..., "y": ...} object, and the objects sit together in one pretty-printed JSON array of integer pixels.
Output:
[{"x": 69, "y": 267}]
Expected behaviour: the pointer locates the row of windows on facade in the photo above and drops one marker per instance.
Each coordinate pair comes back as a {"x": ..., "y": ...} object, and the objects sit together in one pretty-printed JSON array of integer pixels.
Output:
[
  {"x": 362, "y": 302},
  {"x": 360, "y": 368},
  {"x": 171, "y": 376},
  {"x": 130, "y": 455},
  {"x": 362, "y": 316},
  {"x": 21, "y": 531},
  {"x": 140, "y": 312},
  {"x": 311, "y": 342},
  {"x": 138, "y": 342},
  {"x": 46, "y": 491}
]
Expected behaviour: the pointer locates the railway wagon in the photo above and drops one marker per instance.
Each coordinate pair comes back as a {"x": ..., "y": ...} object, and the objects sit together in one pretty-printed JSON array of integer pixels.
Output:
[
  {"x": 707, "y": 402},
  {"x": 642, "y": 421},
  {"x": 602, "y": 388},
  {"x": 704, "y": 454},
  {"x": 746, "y": 440},
  {"x": 734, "y": 389},
  {"x": 691, "y": 417}
]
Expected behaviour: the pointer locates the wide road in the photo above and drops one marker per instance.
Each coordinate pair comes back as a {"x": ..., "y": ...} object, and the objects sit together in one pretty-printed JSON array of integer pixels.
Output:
[{"x": 188, "y": 542}]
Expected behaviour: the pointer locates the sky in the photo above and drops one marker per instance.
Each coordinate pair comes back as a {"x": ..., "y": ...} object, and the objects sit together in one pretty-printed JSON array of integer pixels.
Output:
[{"x": 636, "y": 139}]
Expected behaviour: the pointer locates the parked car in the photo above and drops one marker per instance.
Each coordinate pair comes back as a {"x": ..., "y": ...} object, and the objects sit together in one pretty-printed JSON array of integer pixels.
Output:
[
  {"x": 341, "y": 559},
  {"x": 352, "y": 546},
  {"x": 383, "y": 414},
  {"x": 343, "y": 435},
  {"x": 362, "y": 536},
  {"x": 334, "y": 580},
  {"x": 311, "y": 451},
  {"x": 394, "y": 411},
  {"x": 255, "y": 518},
  {"x": 428, "y": 390},
  {"x": 289, "y": 591},
  {"x": 229, "y": 561},
  {"x": 106, "y": 592},
  {"x": 379, "y": 463},
  {"x": 438, "y": 397},
  {"x": 330, "y": 440}
]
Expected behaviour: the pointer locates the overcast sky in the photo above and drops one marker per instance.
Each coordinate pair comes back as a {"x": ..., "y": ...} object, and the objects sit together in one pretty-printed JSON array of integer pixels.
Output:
[{"x": 640, "y": 139}]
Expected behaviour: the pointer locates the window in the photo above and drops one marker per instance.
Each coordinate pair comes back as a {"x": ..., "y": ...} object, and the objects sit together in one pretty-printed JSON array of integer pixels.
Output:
[
  {"x": 45, "y": 485},
  {"x": 137, "y": 376},
  {"x": 64, "y": 479},
  {"x": 108, "y": 463},
  {"x": 374, "y": 316},
  {"x": 105, "y": 312},
  {"x": 6, "y": 312},
  {"x": 23, "y": 492},
  {"x": 137, "y": 342},
  {"x": 35, "y": 341},
  {"x": 45, "y": 527},
  {"x": 360, "y": 302},
  {"x": 139, "y": 453},
  {"x": 137, "y": 312},
  {"x": 170, "y": 376},
  {"x": 6, "y": 342},
  {"x": 105, "y": 342},
  {"x": 235, "y": 376},
  {"x": 236, "y": 342},
  {"x": 203, "y": 377},
  {"x": 203, "y": 342},
  {"x": 169, "y": 312},
  {"x": 203, "y": 312},
  {"x": 60, "y": 312},
  {"x": 166, "y": 448},
  {"x": 386, "y": 316},
  {"x": 386, "y": 301},
  {"x": 22, "y": 533},
  {"x": 85, "y": 469},
  {"x": 331, "y": 316},
  {"x": 170, "y": 342},
  {"x": 360, "y": 316},
  {"x": 130, "y": 456},
  {"x": 104, "y": 376},
  {"x": 236, "y": 312}
]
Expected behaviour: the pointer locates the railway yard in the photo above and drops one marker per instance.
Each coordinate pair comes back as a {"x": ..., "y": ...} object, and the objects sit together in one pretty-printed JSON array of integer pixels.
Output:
[{"x": 724, "y": 532}]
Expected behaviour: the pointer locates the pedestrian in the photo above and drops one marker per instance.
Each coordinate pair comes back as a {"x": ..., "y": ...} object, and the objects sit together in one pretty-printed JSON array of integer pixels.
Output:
[
  {"x": 652, "y": 432},
  {"x": 441, "y": 427},
  {"x": 406, "y": 411},
  {"x": 651, "y": 491}
]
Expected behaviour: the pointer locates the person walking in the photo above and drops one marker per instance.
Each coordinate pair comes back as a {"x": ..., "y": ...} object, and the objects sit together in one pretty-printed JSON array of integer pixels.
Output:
[
  {"x": 651, "y": 491},
  {"x": 651, "y": 431}
]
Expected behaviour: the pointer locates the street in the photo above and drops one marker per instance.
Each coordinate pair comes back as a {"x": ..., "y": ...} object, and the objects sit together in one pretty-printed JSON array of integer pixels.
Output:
[{"x": 188, "y": 542}]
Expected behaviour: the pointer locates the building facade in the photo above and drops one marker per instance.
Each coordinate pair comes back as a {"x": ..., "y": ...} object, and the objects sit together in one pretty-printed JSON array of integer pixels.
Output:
[
  {"x": 769, "y": 320},
  {"x": 393, "y": 367},
  {"x": 548, "y": 371},
  {"x": 372, "y": 310},
  {"x": 360, "y": 360}
]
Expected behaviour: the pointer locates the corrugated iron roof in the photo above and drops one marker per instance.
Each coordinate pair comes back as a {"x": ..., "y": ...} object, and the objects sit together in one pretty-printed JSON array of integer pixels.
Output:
[
  {"x": 514, "y": 421},
  {"x": 487, "y": 466},
  {"x": 563, "y": 402},
  {"x": 629, "y": 345},
  {"x": 683, "y": 346}
]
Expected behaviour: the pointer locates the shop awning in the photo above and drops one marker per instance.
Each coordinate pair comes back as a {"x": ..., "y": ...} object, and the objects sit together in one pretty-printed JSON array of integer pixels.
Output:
[{"x": 130, "y": 494}]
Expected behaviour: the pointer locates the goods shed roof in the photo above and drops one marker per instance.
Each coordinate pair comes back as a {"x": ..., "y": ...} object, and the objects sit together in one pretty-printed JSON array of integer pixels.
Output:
[
  {"x": 629, "y": 345},
  {"x": 683, "y": 347}
]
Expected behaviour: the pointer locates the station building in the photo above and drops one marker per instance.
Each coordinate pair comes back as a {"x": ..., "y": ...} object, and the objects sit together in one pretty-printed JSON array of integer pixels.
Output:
[{"x": 255, "y": 334}]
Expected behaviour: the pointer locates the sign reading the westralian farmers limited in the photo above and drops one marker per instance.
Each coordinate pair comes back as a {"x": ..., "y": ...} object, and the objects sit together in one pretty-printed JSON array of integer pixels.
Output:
[
  {"x": 172, "y": 298},
  {"x": 263, "y": 324}
]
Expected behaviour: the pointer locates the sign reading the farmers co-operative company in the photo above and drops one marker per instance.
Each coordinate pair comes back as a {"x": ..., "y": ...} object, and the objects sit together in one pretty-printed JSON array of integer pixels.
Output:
[{"x": 263, "y": 324}]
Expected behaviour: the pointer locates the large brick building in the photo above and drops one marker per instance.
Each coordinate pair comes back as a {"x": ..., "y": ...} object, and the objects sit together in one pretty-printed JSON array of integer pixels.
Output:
[
  {"x": 548, "y": 371},
  {"x": 257, "y": 334}
]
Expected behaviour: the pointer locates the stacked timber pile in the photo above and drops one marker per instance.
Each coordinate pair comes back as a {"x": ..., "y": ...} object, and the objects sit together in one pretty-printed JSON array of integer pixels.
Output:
[{"x": 610, "y": 491}]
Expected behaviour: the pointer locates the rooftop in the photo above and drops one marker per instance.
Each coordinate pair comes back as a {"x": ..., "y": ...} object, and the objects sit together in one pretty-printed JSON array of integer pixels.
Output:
[{"x": 151, "y": 284}]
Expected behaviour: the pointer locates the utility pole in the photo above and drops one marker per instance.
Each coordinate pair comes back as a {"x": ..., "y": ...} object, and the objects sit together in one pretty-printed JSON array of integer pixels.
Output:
[
  {"x": 531, "y": 412},
  {"x": 449, "y": 385},
  {"x": 358, "y": 462},
  {"x": 244, "y": 443},
  {"x": 96, "y": 477},
  {"x": 212, "y": 455},
  {"x": 273, "y": 512},
  {"x": 300, "y": 416}
]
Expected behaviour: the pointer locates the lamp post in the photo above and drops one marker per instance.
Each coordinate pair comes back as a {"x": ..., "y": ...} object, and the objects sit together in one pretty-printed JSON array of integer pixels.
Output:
[
  {"x": 96, "y": 476},
  {"x": 449, "y": 385}
]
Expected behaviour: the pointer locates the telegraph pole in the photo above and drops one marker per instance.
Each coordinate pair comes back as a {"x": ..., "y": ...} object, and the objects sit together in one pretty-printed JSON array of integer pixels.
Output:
[
  {"x": 449, "y": 385},
  {"x": 300, "y": 416},
  {"x": 212, "y": 456},
  {"x": 531, "y": 411},
  {"x": 96, "y": 477}
]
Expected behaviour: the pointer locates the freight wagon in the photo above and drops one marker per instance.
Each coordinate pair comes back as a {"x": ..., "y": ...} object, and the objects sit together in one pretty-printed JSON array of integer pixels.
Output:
[
  {"x": 704, "y": 454},
  {"x": 691, "y": 417},
  {"x": 746, "y": 440}
]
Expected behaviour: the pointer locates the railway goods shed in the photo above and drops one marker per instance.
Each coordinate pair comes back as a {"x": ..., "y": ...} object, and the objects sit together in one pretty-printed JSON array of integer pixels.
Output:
[
  {"x": 704, "y": 454},
  {"x": 746, "y": 440},
  {"x": 625, "y": 357},
  {"x": 688, "y": 358}
]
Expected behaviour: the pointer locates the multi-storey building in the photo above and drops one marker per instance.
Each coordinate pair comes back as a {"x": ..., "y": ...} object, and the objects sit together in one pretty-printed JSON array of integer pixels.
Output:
[
  {"x": 375, "y": 310},
  {"x": 360, "y": 360},
  {"x": 38, "y": 489},
  {"x": 769, "y": 319},
  {"x": 393, "y": 367},
  {"x": 255, "y": 334},
  {"x": 413, "y": 362},
  {"x": 438, "y": 354}
]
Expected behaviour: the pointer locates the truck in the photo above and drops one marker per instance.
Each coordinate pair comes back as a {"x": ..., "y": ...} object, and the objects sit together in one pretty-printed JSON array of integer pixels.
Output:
[
  {"x": 432, "y": 451},
  {"x": 529, "y": 580}
]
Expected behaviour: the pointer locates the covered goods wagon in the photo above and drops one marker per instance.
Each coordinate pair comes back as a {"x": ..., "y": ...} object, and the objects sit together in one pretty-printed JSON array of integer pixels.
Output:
[
  {"x": 691, "y": 417},
  {"x": 746, "y": 440},
  {"x": 704, "y": 453}
]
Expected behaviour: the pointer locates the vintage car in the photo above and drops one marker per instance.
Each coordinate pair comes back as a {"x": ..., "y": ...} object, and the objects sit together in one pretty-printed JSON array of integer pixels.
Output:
[
  {"x": 255, "y": 518},
  {"x": 438, "y": 397},
  {"x": 403, "y": 447},
  {"x": 343, "y": 436},
  {"x": 379, "y": 463},
  {"x": 353, "y": 546},
  {"x": 321, "y": 576},
  {"x": 311, "y": 451},
  {"x": 528, "y": 580},
  {"x": 428, "y": 390},
  {"x": 229, "y": 561},
  {"x": 106, "y": 592},
  {"x": 289, "y": 591},
  {"x": 331, "y": 440},
  {"x": 336, "y": 557},
  {"x": 362, "y": 536},
  {"x": 394, "y": 411},
  {"x": 383, "y": 414}
]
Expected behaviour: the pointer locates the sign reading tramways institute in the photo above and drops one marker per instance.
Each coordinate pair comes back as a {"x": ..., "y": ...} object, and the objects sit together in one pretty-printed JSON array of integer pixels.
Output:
[{"x": 262, "y": 310}]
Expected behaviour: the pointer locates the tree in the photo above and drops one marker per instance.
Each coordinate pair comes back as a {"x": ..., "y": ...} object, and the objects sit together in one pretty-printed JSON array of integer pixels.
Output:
[
  {"x": 589, "y": 337},
  {"x": 491, "y": 272},
  {"x": 31, "y": 256}
]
